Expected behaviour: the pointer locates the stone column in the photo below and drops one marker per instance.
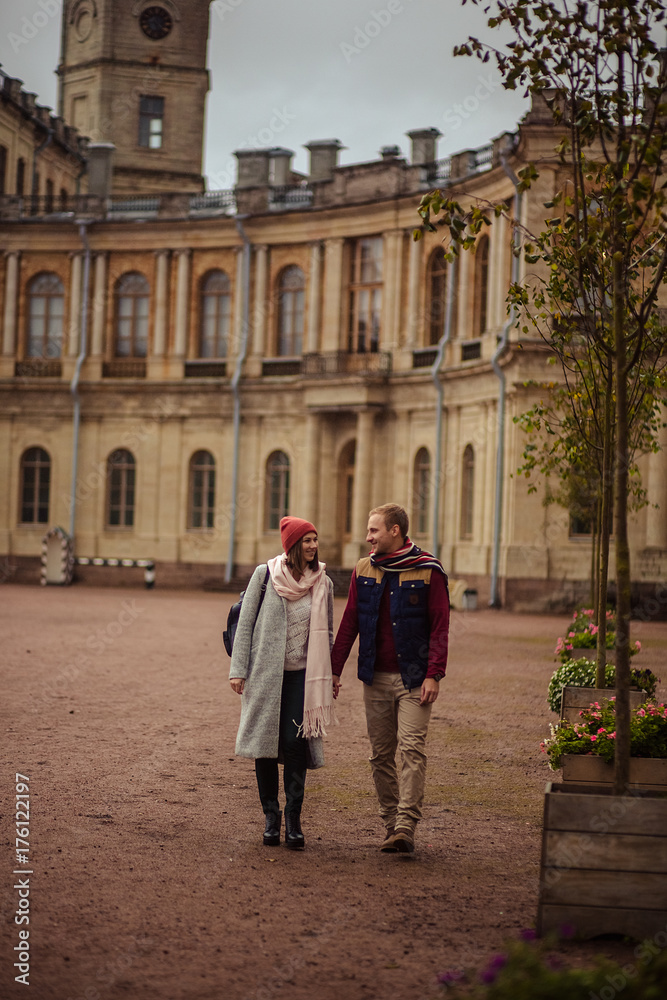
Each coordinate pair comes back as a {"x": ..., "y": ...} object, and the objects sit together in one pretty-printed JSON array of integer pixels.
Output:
[
  {"x": 311, "y": 476},
  {"x": 499, "y": 250},
  {"x": 314, "y": 298},
  {"x": 656, "y": 520},
  {"x": 71, "y": 347},
  {"x": 391, "y": 291},
  {"x": 161, "y": 303},
  {"x": 260, "y": 347},
  {"x": 412, "y": 338},
  {"x": 362, "y": 486},
  {"x": 182, "y": 304},
  {"x": 13, "y": 259},
  {"x": 98, "y": 317},
  {"x": 237, "y": 319},
  {"x": 332, "y": 295}
]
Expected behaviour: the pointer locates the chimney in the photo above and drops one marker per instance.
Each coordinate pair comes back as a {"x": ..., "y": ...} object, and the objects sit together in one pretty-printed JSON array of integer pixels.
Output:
[
  {"x": 390, "y": 152},
  {"x": 13, "y": 88},
  {"x": 323, "y": 158},
  {"x": 253, "y": 168},
  {"x": 280, "y": 165},
  {"x": 100, "y": 168},
  {"x": 44, "y": 115},
  {"x": 29, "y": 101},
  {"x": 424, "y": 145}
]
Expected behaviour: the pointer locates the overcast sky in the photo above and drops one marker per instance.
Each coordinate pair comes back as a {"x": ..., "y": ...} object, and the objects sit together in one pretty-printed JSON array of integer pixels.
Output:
[{"x": 284, "y": 73}]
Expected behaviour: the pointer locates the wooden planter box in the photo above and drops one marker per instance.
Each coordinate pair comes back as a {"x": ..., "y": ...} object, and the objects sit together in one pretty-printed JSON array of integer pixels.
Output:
[
  {"x": 646, "y": 773},
  {"x": 576, "y": 698},
  {"x": 604, "y": 862}
]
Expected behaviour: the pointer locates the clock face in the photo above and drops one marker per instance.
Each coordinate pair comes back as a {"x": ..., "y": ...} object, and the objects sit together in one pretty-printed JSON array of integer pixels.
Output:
[{"x": 155, "y": 22}]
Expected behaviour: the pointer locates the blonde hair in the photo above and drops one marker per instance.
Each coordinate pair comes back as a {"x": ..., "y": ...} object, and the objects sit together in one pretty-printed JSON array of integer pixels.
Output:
[{"x": 393, "y": 513}]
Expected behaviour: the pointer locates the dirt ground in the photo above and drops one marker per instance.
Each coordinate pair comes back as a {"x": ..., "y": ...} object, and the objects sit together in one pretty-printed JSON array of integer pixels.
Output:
[{"x": 148, "y": 876}]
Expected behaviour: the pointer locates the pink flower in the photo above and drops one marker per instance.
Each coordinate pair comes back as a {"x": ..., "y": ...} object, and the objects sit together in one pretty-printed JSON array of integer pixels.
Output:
[
  {"x": 601, "y": 730},
  {"x": 612, "y": 736},
  {"x": 640, "y": 711},
  {"x": 638, "y": 645},
  {"x": 594, "y": 629},
  {"x": 570, "y": 635},
  {"x": 593, "y": 739}
]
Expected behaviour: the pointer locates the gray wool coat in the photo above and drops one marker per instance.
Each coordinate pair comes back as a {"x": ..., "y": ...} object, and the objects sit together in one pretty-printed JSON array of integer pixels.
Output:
[{"x": 259, "y": 657}]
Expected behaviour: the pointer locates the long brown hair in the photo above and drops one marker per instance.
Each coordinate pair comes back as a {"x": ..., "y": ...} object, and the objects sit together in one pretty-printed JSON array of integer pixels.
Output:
[{"x": 296, "y": 559}]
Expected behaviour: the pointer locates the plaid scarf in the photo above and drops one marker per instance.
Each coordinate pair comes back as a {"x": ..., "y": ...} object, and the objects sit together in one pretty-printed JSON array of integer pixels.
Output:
[{"x": 410, "y": 556}]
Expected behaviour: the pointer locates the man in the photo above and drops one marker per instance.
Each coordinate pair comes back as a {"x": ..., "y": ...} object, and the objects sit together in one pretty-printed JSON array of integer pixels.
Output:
[{"x": 398, "y": 604}]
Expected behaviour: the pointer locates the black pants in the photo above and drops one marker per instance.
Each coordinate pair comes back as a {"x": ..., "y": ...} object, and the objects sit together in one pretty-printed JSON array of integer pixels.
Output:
[{"x": 293, "y": 749}]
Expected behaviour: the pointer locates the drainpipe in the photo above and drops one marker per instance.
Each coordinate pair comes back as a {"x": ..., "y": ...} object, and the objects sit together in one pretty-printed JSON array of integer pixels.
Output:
[
  {"x": 74, "y": 385},
  {"x": 247, "y": 249},
  {"x": 494, "y": 600},
  {"x": 440, "y": 391}
]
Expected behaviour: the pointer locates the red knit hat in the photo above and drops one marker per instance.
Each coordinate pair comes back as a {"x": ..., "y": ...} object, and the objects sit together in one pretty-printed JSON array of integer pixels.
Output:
[{"x": 292, "y": 529}]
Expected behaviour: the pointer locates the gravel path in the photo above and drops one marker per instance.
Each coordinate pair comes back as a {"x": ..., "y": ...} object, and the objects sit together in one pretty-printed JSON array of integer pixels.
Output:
[{"x": 149, "y": 879}]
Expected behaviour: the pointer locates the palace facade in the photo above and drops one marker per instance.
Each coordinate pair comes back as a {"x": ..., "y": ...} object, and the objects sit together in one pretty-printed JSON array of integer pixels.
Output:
[{"x": 180, "y": 368}]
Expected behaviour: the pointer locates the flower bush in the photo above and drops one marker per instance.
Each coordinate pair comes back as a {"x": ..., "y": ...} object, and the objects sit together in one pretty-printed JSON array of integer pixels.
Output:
[
  {"x": 527, "y": 969},
  {"x": 582, "y": 634},
  {"x": 596, "y": 733},
  {"x": 581, "y": 673}
]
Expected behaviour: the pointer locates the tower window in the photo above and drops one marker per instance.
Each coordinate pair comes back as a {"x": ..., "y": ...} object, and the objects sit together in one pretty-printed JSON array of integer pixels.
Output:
[{"x": 151, "y": 117}]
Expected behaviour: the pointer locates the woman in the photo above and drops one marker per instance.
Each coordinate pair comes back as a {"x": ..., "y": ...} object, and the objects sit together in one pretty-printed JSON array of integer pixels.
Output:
[{"x": 281, "y": 664}]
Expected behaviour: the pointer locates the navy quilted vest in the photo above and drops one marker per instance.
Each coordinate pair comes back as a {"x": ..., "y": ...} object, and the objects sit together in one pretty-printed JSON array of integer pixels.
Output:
[{"x": 408, "y": 601}]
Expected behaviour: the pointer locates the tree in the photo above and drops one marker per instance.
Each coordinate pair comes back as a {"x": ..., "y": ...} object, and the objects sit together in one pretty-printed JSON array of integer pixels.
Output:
[{"x": 601, "y": 259}]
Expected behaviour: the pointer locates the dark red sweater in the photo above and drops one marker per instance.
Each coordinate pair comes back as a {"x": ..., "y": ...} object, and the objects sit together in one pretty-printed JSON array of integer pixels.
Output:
[{"x": 386, "y": 659}]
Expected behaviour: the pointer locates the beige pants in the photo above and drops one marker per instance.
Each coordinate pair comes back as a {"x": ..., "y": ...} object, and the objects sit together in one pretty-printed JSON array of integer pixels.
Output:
[{"x": 395, "y": 719}]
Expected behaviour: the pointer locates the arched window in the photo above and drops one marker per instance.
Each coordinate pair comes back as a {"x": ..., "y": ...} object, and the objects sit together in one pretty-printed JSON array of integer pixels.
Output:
[
  {"x": 20, "y": 176},
  {"x": 216, "y": 309},
  {"x": 201, "y": 492},
  {"x": 346, "y": 464},
  {"x": 277, "y": 489},
  {"x": 3, "y": 169},
  {"x": 421, "y": 491},
  {"x": 121, "y": 472},
  {"x": 365, "y": 294},
  {"x": 35, "y": 486},
  {"x": 467, "y": 492},
  {"x": 291, "y": 287},
  {"x": 480, "y": 305},
  {"x": 64, "y": 200},
  {"x": 46, "y": 297},
  {"x": 132, "y": 295},
  {"x": 438, "y": 281}
]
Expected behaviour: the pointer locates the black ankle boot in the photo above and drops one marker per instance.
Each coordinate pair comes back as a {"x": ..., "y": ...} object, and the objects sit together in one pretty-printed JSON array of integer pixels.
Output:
[
  {"x": 294, "y": 838},
  {"x": 272, "y": 830}
]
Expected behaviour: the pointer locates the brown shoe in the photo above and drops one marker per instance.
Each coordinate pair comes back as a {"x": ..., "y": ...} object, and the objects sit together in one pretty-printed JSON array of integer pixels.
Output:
[
  {"x": 403, "y": 841},
  {"x": 388, "y": 846}
]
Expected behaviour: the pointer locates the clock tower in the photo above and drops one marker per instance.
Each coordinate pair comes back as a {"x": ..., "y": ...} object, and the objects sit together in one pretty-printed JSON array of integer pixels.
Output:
[{"x": 133, "y": 72}]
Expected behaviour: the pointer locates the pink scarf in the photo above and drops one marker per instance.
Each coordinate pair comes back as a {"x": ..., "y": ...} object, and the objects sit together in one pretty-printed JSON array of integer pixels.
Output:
[{"x": 318, "y": 707}]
